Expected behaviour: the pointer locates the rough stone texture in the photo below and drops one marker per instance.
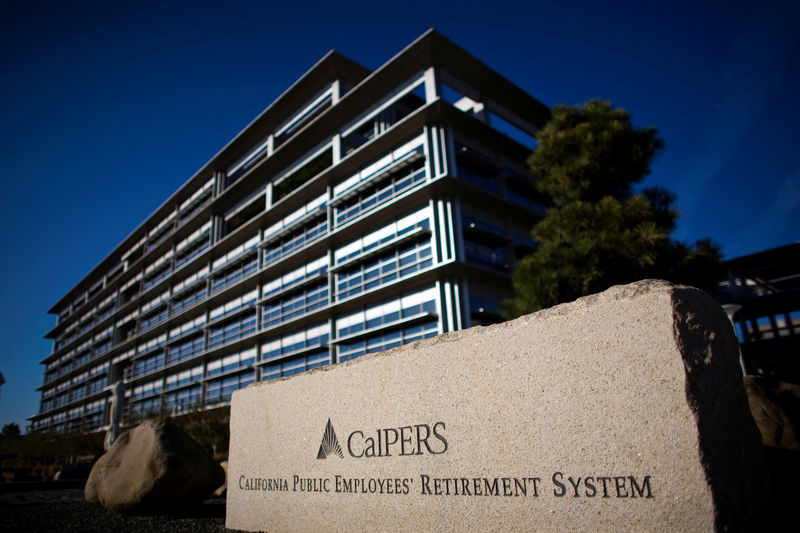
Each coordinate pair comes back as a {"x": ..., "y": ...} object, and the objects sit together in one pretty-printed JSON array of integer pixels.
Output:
[
  {"x": 153, "y": 467},
  {"x": 640, "y": 380},
  {"x": 78, "y": 470},
  {"x": 775, "y": 408},
  {"x": 222, "y": 488}
]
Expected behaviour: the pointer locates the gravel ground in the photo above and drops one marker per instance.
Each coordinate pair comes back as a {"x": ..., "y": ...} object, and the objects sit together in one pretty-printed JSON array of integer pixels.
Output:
[{"x": 65, "y": 510}]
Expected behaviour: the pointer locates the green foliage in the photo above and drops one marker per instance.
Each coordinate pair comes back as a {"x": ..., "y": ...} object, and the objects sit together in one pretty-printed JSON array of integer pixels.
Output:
[
  {"x": 39, "y": 449},
  {"x": 589, "y": 152},
  {"x": 11, "y": 430},
  {"x": 597, "y": 232},
  {"x": 211, "y": 428}
]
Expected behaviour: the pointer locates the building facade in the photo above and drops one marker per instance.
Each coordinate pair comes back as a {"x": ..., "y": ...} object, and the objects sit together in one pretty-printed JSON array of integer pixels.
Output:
[
  {"x": 761, "y": 294},
  {"x": 358, "y": 212}
]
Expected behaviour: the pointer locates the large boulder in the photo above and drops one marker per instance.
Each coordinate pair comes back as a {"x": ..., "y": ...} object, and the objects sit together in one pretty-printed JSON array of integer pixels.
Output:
[
  {"x": 155, "y": 466},
  {"x": 776, "y": 409}
]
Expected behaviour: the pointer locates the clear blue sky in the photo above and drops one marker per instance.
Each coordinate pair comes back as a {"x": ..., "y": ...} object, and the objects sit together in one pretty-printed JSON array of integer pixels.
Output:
[{"x": 107, "y": 107}]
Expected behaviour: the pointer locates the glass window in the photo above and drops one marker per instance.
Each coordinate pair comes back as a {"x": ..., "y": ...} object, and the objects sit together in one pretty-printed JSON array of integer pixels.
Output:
[
  {"x": 380, "y": 181},
  {"x": 184, "y": 399},
  {"x": 417, "y": 221},
  {"x": 392, "y": 265},
  {"x": 315, "y": 337},
  {"x": 386, "y": 340},
  {"x": 189, "y": 299},
  {"x": 485, "y": 244},
  {"x": 295, "y": 365},
  {"x": 240, "y": 360},
  {"x": 301, "y": 236},
  {"x": 185, "y": 349},
  {"x": 299, "y": 303},
  {"x": 303, "y": 117},
  {"x": 234, "y": 305},
  {"x": 242, "y": 250},
  {"x": 232, "y": 275},
  {"x": 313, "y": 269},
  {"x": 232, "y": 330},
  {"x": 387, "y": 313},
  {"x": 244, "y": 211},
  {"x": 393, "y": 109},
  {"x": 147, "y": 365},
  {"x": 220, "y": 390},
  {"x": 154, "y": 319},
  {"x": 191, "y": 251},
  {"x": 185, "y": 377}
]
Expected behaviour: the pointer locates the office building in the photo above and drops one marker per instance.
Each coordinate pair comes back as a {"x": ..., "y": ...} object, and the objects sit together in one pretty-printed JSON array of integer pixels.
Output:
[
  {"x": 761, "y": 294},
  {"x": 360, "y": 211}
]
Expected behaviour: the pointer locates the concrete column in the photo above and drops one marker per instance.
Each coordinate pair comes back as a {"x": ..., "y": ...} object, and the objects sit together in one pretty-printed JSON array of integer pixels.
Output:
[
  {"x": 336, "y": 148},
  {"x": 270, "y": 144},
  {"x": 429, "y": 149},
  {"x": 431, "y": 89}
]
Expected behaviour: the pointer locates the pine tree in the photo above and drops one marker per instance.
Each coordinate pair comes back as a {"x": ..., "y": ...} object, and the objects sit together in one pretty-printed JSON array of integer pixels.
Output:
[{"x": 597, "y": 231}]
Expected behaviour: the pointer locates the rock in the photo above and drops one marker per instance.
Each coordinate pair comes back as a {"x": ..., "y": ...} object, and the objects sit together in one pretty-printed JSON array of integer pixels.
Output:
[
  {"x": 222, "y": 488},
  {"x": 79, "y": 470},
  {"x": 155, "y": 466},
  {"x": 775, "y": 407},
  {"x": 622, "y": 411}
]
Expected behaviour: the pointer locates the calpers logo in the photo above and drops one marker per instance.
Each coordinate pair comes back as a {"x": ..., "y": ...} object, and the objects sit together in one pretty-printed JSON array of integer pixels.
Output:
[
  {"x": 330, "y": 444},
  {"x": 416, "y": 439}
]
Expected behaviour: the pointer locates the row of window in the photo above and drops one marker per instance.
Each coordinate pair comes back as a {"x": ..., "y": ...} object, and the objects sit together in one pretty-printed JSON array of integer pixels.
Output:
[
  {"x": 232, "y": 330},
  {"x": 386, "y": 268},
  {"x": 386, "y": 258},
  {"x": 303, "y": 301},
  {"x": 78, "y": 393},
  {"x": 313, "y": 338},
  {"x": 243, "y": 360},
  {"x": 402, "y": 169},
  {"x": 173, "y": 219},
  {"x": 302, "y": 236},
  {"x": 376, "y": 328},
  {"x": 781, "y": 324},
  {"x": 393, "y": 108},
  {"x": 217, "y": 391},
  {"x": 298, "y": 364},
  {"x": 380, "y": 269},
  {"x": 484, "y": 172},
  {"x": 385, "y": 341},
  {"x": 87, "y": 417},
  {"x": 400, "y": 310},
  {"x": 205, "y": 192}
]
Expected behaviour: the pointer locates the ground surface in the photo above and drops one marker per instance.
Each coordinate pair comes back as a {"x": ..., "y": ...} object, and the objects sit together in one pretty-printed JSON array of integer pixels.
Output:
[{"x": 66, "y": 511}]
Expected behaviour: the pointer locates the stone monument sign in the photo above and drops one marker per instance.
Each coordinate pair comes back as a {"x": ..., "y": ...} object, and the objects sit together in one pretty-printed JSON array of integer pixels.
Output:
[{"x": 621, "y": 411}]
